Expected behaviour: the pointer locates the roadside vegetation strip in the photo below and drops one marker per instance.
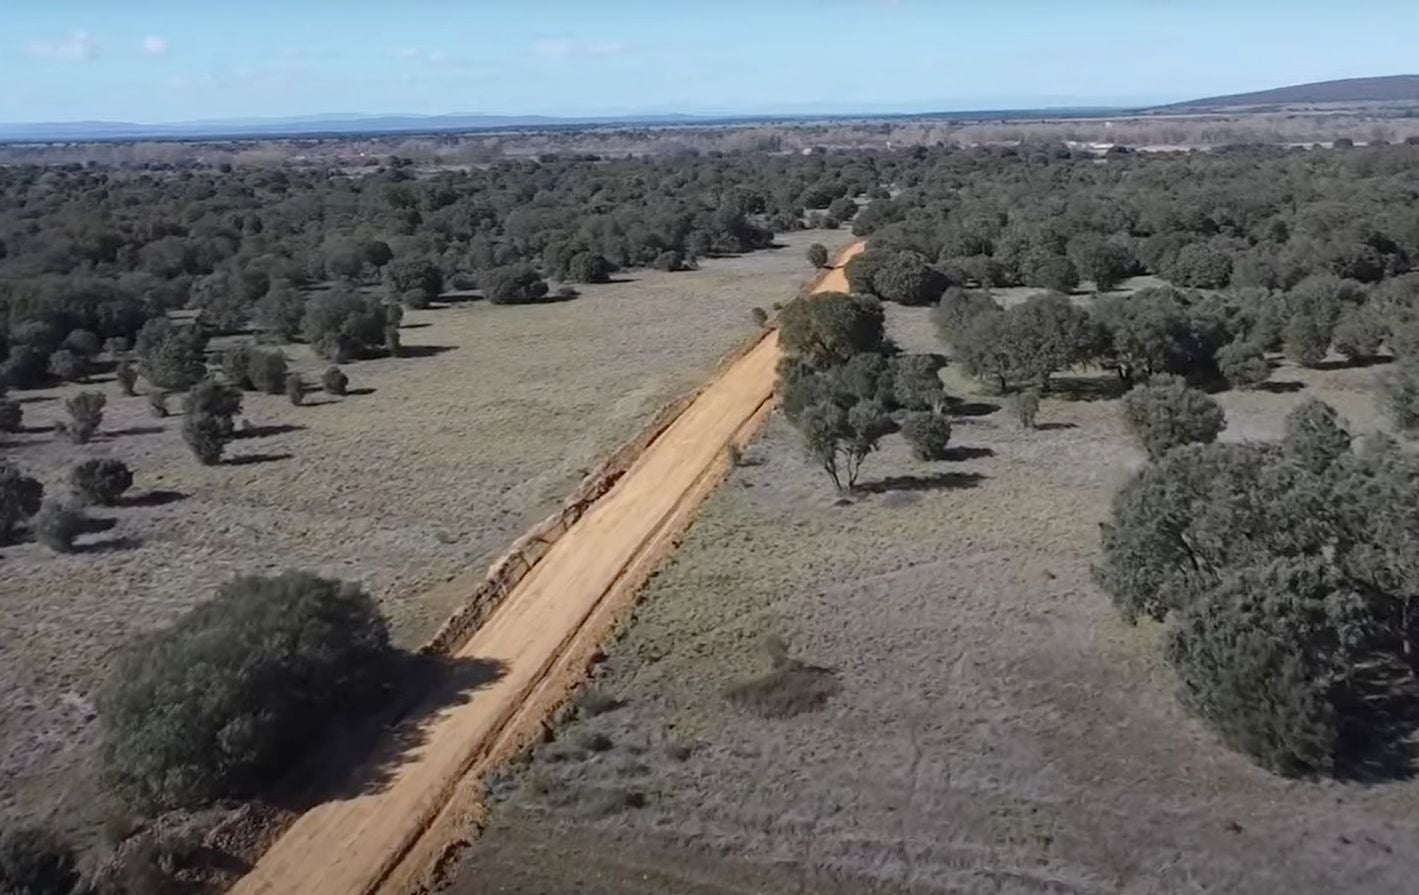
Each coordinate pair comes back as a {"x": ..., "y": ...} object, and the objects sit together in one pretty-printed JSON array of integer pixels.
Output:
[{"x": 354, "y": 845}]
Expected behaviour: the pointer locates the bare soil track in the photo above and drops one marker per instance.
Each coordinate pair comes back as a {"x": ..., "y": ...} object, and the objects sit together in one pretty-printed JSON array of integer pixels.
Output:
[{"x": 394, "y": 839}]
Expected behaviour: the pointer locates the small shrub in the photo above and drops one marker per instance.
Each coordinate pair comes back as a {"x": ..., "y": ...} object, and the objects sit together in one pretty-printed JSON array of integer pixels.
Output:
[
  {"x": 158, "y": 403},
  {"x": 207, "y": 421},
  {"x": 206, "y": 436},
  {"x": 734, "y": 455},
  {"x": 267, "y": 371},
  {"x": 20, "y": 498},
  {"x": 928, "y": 434},
  {"x": 1025, "y": 407},
  {"x": 790, "y": 688},
  {"x": 236, "y": 367},
  {"x": 785, "y": 692},
  {"x": 415, "y": 281},
  {"x": 818, "y": 255},
  {"x": 66, "y": 365},
  {"x": 1243, "y": 364},
  {"x": 223, "y": 702},
  {"x": 341, "y": 325},
  {"x": 1167, "y": 413},
  {"x": 335, "y": 382},
  {"x": 85, "y": 414},
  {"x": 34, "y": 861},
  {"x": 115, "y": 346},
  {"x": 83, "y": 343},
  {"x": 594, "y": 741},
  {"x": 212, "y": 397},
  {"x": 12, "y": 415},
  {"x": 588, "y": 267},
  {"x": 669, "y": 261},
  {"x": 1314, "y": 436},
  {"x": 760, "y": 316},
  {"x": 101, "y": 481},
  {"x": 127, "y": 377},
  {"x": 25, "y": 367},
  {"x": 295, "y": 389},
  {"x": 171, "y": 357},
  {"x": 512, "y": 285},
  {"x": 57, "y": 524}
]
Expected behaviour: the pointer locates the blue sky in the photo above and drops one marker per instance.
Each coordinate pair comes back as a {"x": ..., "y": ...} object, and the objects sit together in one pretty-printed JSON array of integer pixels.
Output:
[{"x": 163, "y": 60}]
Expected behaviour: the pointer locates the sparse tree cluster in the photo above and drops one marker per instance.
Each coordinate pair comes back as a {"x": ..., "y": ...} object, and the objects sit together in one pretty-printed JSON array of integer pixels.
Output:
[
  {"x": 842, "y": 381},
  {"x": 207, "y": 424}
]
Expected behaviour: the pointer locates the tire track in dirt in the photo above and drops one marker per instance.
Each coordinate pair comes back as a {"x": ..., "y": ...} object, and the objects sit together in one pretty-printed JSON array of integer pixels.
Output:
[{"x": 395, "y": 839}]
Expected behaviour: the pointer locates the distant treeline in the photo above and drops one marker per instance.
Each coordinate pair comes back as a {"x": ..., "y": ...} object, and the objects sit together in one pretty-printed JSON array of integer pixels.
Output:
[{"x": 104, "y": 251}]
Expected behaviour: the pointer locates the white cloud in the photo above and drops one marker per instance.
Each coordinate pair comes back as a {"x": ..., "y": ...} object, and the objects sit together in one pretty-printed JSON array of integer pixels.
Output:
[
  {"x": 565, "y": 48},
  {"x": 155, "y": 46},
  {"x": 77, "y": 45}
]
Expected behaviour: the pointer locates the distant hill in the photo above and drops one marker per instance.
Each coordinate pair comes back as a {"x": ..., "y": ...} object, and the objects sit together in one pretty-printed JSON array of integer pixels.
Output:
[{"x": 1389, "y": 89}]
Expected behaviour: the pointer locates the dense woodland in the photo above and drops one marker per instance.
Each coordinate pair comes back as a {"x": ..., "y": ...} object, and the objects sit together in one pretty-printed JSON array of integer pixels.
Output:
[{"x": 1285, "y": 573}]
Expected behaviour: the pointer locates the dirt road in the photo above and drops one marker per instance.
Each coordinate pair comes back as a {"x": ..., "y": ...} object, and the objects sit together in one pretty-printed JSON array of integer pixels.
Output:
[{"x": 541, "y": 636}]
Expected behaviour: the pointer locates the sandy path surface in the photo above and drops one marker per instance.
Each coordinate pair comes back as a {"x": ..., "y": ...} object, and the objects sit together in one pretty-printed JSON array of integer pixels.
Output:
[{"x": 356, "y": 845}]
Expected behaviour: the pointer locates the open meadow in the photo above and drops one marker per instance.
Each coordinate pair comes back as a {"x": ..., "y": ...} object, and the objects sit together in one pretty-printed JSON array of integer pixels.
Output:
[
  {"x": 972, "y": 714},
  {"x": 431, "y": 465}
]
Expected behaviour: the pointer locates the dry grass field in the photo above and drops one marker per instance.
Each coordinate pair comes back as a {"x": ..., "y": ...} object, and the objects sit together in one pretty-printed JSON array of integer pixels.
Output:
[
  {"x": 430, "y": 467},
  {"x": 990, "y": 724}
]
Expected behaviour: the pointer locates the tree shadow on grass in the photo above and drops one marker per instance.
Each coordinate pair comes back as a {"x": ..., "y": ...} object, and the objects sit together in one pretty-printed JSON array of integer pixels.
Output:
[
  {"x": 425, "y": 350},
  {"x": 1327, "y": 365},
  {"x": 109, "y": 545},
  {"x": 1088, "y": 388},
  {"x": 940, "y": 481},
  {"x": 135, "y": 430},
  {"x": 156, "y": 498},
  {"x": 264, "y": 431},
  {"x": 1055, "y": 427},
  {"x": 363, "y": 390},
  {"x": 34, "y": 399},
  {"x": 1279, "y": 388},
  {"x": 95, "y": 524},
  {"x": 967, "y": 453},
  {"x": 362, "y": 755},
  {"x": 973, "y": 408},
  {"x": 252, "y": 459}
]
